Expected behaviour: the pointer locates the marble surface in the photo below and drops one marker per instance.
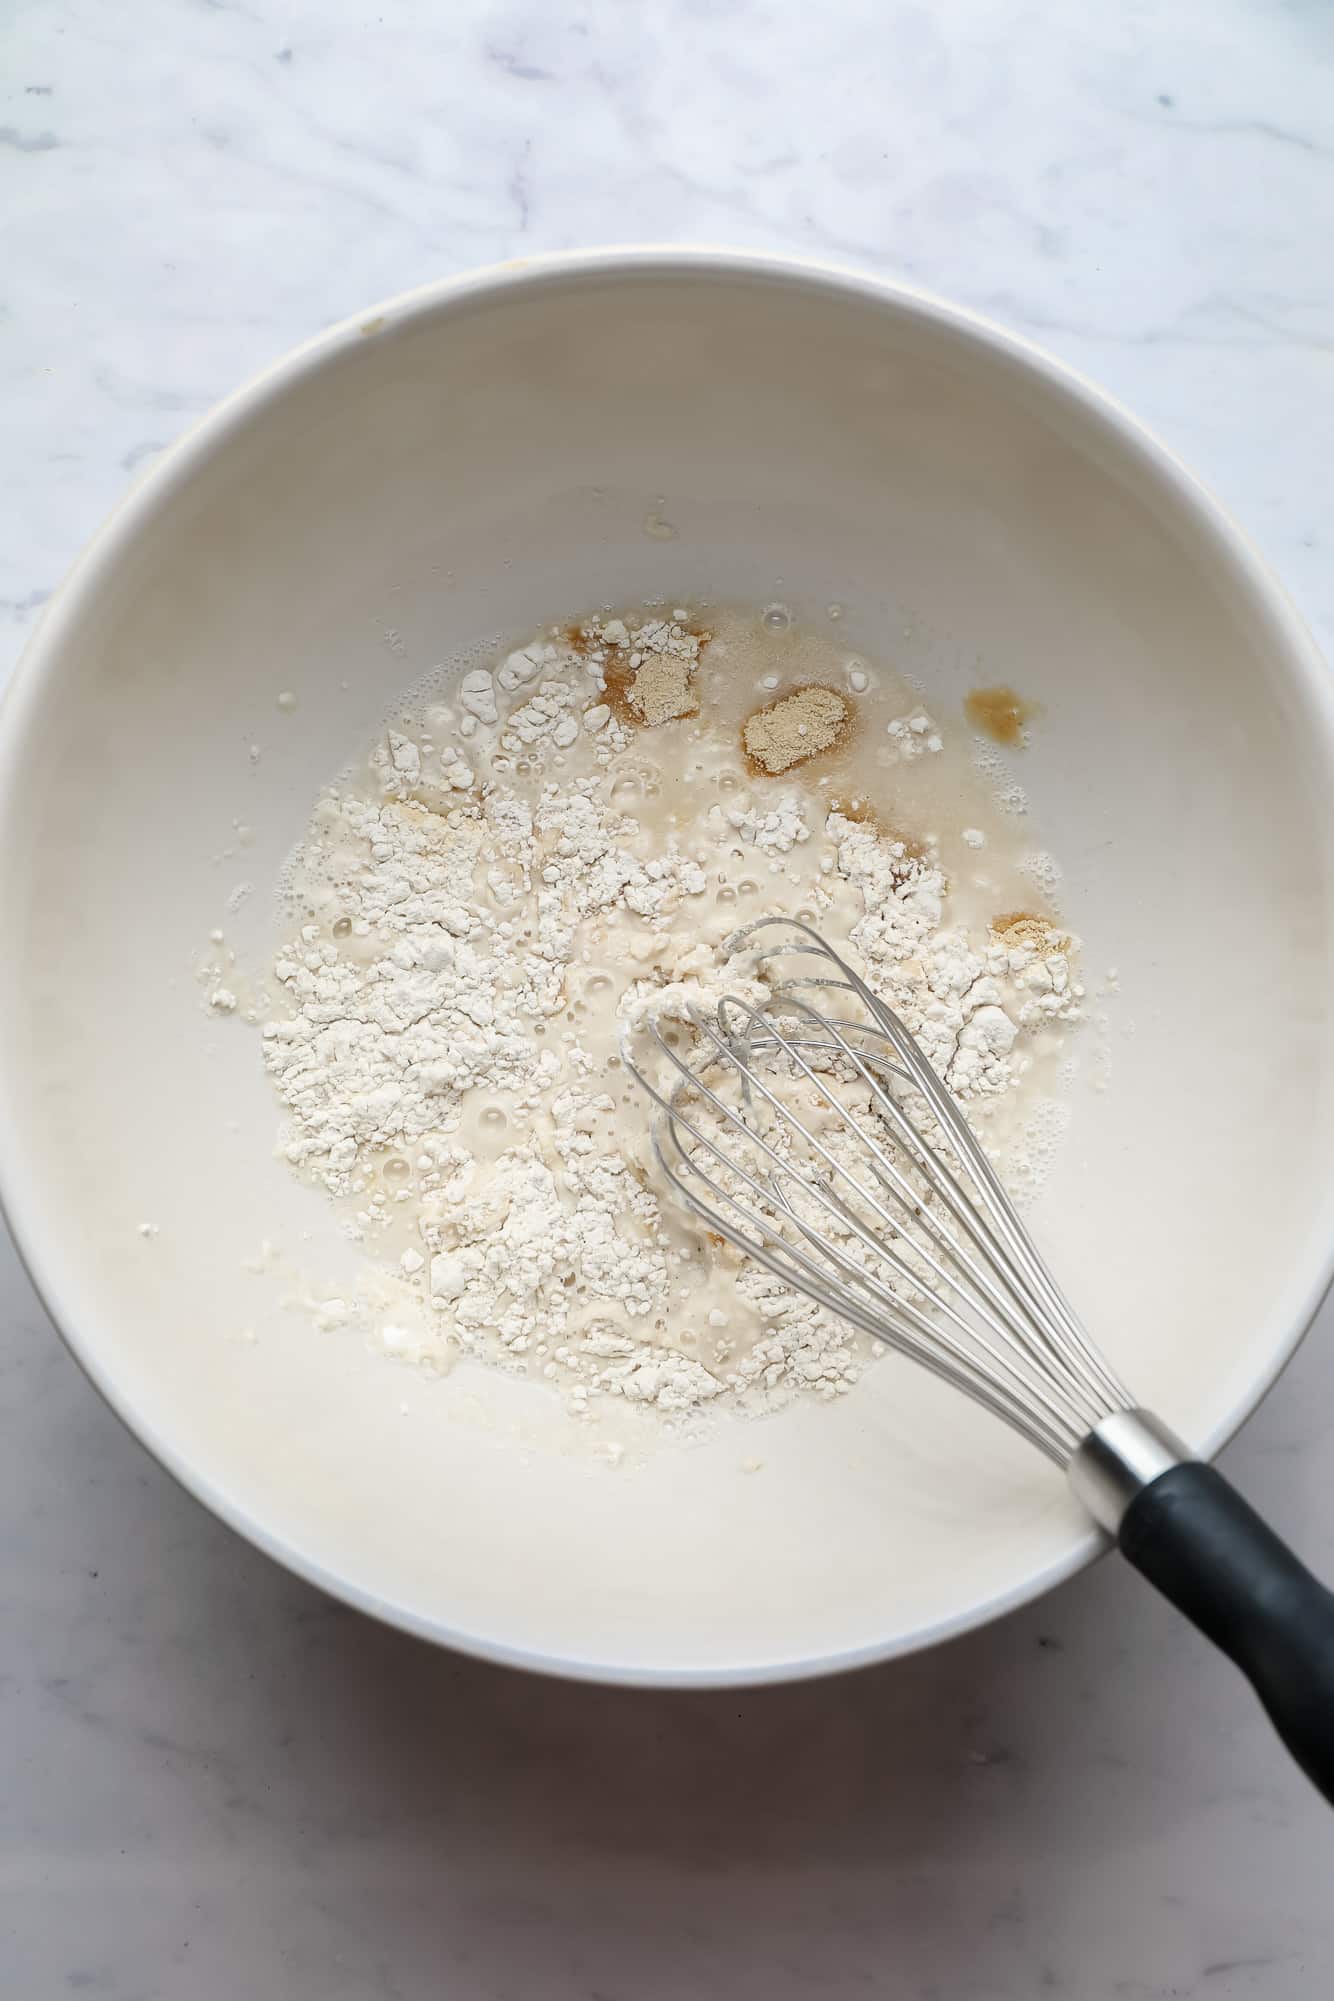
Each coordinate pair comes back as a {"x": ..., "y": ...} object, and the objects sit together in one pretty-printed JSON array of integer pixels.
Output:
[{"x": 215, "y": 1783}]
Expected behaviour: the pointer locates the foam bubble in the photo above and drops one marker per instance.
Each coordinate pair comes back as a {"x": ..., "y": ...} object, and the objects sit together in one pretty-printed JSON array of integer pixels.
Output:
[
  {"x": 1029, "y": 1155},
  {"x": 1043, "y": 869}
]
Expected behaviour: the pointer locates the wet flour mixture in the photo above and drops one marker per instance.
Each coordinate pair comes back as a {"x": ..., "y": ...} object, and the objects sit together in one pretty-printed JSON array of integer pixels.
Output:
[{"x": 538, "y": 852}]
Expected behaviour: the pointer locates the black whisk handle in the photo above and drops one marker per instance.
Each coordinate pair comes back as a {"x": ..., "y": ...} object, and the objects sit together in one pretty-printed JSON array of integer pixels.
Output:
[{"x": 1193, "y": 1536}]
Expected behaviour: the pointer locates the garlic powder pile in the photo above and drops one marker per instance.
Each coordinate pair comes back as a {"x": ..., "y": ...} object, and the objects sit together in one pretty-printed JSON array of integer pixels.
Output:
[{"x": 547, "y": 850}]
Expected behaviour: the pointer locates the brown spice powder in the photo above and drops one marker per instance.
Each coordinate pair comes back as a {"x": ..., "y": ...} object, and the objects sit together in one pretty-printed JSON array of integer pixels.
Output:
[
  {"x": 1024, "y": 927},
  {"x": 662, "y": 690},
  {"x": 795, "y": 728}
]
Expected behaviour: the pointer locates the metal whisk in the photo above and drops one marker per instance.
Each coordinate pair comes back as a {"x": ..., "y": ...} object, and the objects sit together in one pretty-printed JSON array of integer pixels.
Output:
[{"x": 809, "y": 1128}]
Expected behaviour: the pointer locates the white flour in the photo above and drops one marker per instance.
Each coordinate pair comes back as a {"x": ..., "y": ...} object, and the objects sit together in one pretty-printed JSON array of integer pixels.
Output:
[{"x": 507, "y": 884}]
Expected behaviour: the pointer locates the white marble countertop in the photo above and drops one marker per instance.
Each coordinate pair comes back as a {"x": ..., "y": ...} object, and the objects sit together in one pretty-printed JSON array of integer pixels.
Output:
[{"x": 215, "y": 1783}]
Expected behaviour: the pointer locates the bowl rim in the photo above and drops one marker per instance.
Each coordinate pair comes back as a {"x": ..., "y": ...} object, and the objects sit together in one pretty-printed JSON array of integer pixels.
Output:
[{"x": 39, "y": 663}]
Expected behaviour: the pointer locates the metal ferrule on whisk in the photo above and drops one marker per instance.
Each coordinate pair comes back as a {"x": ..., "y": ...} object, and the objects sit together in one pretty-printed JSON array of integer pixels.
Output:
[{"x": 1122, "y": 1455}]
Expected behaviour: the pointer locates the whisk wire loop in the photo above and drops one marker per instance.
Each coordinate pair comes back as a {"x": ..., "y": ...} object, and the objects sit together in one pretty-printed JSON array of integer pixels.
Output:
[{"x": 902, "y": 1229}]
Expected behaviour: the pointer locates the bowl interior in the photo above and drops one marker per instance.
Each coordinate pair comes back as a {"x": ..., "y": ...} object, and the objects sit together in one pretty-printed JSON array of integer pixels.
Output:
[{"x": 485, "y": 459}]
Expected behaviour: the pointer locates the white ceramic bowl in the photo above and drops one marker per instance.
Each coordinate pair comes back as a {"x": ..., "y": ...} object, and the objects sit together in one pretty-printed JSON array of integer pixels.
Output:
[{"x": 481, "y": 457}]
